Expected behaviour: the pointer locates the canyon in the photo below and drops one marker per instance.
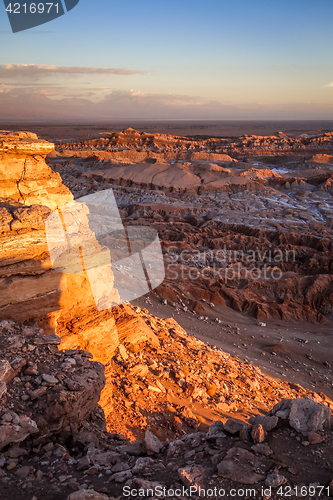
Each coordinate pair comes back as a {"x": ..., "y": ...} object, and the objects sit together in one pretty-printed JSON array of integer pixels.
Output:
[
  {"x": 224, "y": 215},
  {"x": 185, "y": 375}
]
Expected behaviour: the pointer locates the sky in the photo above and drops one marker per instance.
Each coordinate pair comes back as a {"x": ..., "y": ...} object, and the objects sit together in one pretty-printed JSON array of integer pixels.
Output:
[{"x": 167, "y": 59}]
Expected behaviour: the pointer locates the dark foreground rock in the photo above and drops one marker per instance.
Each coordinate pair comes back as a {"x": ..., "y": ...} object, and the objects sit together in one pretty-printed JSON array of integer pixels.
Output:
[{"x": 47, "y": 393}]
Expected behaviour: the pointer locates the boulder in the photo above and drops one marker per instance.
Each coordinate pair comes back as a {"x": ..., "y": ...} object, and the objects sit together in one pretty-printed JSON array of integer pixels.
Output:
[
  {"x": 216, "y": 430},
  {"x": 315, "y": 438},
  {"x": 234, "y": 426},
  {"x": 152, "y": 443},
  {"x": 267, "y": 423},
  {"x": 193, "y": 475},
  {"x": 305, "y": 415},
  {"x": 3, "y": 389}
]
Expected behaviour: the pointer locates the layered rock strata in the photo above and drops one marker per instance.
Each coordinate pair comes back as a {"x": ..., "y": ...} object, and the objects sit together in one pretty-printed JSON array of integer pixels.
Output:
[
  {"x": 123, "y": 144},
  {"x": 30, "y": 287},
  {"x": 24, "y": 175}
]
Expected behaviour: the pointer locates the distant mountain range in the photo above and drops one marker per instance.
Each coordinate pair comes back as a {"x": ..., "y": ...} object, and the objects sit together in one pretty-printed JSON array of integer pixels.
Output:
[{"x": 37, "y": 106}]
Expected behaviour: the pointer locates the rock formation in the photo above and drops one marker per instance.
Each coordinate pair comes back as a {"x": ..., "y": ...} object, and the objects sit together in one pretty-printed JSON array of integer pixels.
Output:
[
  {"x": 24, "y": 175},
  {"x": 57, "y": 390},
  {"x": 201, "y": 208},
  {"x": 30, "y": 288},
  {"x": 124, "y": 144}
]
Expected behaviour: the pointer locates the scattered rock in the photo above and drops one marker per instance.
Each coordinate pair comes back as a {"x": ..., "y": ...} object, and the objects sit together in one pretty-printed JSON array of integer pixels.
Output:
[
  {"x": 216, "y": 430},
  {"x": 177, "y": 424},
  {"x": 258, "y": 433},
  {"x": 275, "y": 480},
  {"x": 152, "y": 443},
  {"x": 267, "y": 423},
  {"x": 17, "y": 432},
  {"x": 121, "y": 477},
  {"x": 315, "y": 438},
  {"x": 193, "y": 475},
  {"x": 262, "y": 449}
]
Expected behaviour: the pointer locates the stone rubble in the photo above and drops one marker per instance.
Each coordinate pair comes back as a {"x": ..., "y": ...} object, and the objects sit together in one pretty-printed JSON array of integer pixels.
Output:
[{"x": 73, "y": 456}]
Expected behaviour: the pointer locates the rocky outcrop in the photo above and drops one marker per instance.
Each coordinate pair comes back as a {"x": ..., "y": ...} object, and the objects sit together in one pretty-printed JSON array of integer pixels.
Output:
[
  {"x": 30, "y": 190},
  {"x": 30, "y": 288},
  {"x": 47, "y": 393},
  {"x": 165, "y": 146},
  {"x": 24, "y": 175}
]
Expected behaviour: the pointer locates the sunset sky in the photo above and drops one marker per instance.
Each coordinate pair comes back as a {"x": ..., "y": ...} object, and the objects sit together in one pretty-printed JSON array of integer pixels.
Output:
[{"x": 172, "y": 59}]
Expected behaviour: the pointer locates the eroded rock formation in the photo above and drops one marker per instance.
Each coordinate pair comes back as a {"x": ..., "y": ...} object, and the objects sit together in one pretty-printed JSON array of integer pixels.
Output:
[
  {"x": 274, "y": 204},
  {"x": 30, "y": 289},
  {"x": 164, "y": 146},
  {"x": 24, "y": 175}
]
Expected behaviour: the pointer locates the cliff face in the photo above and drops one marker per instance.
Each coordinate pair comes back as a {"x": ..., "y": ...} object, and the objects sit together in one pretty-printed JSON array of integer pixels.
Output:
[
  {"x": 24, "y": 175},
  {"x": 29, "y": 286}
]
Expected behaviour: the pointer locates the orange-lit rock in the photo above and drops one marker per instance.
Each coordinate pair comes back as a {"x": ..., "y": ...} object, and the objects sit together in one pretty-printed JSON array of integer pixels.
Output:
[
  {"x": 30, "y": 289},
  {"x": 24, "y": 175}
]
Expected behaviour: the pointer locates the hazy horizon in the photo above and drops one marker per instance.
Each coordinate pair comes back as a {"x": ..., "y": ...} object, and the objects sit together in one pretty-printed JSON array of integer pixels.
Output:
[
  {"x": 62, "y": 129},
  {"x": 171, "y": 60}
]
